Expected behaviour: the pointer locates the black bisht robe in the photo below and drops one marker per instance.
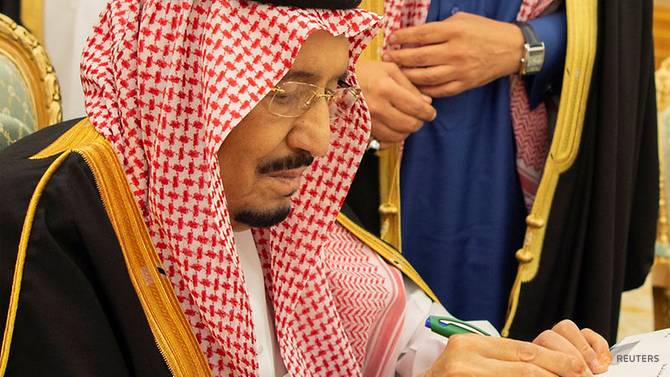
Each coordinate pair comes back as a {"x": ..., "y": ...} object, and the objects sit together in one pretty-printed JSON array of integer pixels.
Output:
[
  {"x": 78, "y": 314},
  {"x": 602, "y": 228}
]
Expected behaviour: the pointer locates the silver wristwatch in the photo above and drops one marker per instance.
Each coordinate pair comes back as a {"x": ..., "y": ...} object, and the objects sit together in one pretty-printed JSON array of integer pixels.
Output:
[{"x": 533, "y": 56}]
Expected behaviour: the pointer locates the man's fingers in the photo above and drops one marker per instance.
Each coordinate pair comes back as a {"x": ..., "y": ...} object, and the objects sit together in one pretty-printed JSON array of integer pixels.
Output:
[
  {"x": 449, "y": 89},
  {"x": 418, "y": 57},
  {"x": 412, "y": 105},
  {"x": 408, "y": 99},
  {"x": 571, "y": 332},
  {"x": 505, "y": 368},
  {"x": 551, "y": 340},
  {"x": 396, "y": 105},
  {"x": 399, "y": 77},
  {"x": 484, "y": 367},
  {"x": 430, "y": 76},
  {"x": 597, "y": 342},
  {"x": 555, "y": 362},
  {"x": 397, "y": 90},
  {"x": 397, "y": 120},
  {"x": 385, "y": 135},
  {"x": 600, "y": 345},
  {"x": 429, "y": 33}
]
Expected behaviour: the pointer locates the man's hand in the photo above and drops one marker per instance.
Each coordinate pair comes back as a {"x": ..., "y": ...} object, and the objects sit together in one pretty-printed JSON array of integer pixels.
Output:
[
  {"x": 563, "y": 351},
  {"x": 462, "y": 52},
  {"x": 568, "y": 338},
  {"x": 483, "y": 356},
  {"x": 396, "y": 105}
]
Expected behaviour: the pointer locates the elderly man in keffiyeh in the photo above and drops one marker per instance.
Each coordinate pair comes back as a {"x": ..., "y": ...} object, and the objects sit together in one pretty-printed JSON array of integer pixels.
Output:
[{"x": 126, "y": 245}]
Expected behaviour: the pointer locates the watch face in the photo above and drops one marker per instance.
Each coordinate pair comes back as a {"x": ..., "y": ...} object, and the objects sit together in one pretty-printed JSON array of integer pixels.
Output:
[{"x": 534, "y": 59}]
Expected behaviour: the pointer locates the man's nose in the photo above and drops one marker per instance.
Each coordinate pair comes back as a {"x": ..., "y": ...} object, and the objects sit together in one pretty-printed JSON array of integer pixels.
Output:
[{"x": 311, "y": 131}]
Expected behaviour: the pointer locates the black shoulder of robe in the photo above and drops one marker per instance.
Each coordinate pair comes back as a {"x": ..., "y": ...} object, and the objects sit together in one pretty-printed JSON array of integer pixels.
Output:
[
  {"x": 78, "y": 314},
  {"x": 601, "y": 231}
]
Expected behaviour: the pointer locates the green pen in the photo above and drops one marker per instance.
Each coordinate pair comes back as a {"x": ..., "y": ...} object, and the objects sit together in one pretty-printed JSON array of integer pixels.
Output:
[{"x": 448, "y": 326}]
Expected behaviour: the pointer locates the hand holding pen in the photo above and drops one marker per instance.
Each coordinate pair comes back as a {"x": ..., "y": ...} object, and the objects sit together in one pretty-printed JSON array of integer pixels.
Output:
[
  {"x": 553, "y": 353},
  {"x": 448, "y": 326}
]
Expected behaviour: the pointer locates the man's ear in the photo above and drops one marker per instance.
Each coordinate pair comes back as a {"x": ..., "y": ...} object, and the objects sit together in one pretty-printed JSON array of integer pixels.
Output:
[{"x": 323, "y": 4}]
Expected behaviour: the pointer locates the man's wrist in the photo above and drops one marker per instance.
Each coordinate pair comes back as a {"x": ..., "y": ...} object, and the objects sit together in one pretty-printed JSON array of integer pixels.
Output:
[{"x": 517, "y": 43}]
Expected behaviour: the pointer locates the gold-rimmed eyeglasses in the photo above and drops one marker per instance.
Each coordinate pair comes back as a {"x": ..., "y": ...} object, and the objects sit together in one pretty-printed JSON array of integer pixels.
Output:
[{"x": 292, "y": 99}]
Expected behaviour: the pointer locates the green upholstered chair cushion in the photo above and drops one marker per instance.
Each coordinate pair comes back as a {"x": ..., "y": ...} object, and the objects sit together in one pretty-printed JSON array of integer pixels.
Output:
[
  {"x": 11, "y": 130},
  {"x": 18, "y": 118}
]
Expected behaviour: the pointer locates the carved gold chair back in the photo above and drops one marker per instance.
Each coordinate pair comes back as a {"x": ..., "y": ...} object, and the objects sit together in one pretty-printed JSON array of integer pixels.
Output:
[{"x": 29, "y": 91}]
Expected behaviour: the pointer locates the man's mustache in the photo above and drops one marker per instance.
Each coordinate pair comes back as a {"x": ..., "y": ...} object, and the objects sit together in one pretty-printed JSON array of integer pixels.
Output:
[{"x": 295, "y": 161}]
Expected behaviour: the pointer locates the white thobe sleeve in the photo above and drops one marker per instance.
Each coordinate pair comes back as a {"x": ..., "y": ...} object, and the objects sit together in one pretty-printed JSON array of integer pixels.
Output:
[{"x": 418, "y": 347}]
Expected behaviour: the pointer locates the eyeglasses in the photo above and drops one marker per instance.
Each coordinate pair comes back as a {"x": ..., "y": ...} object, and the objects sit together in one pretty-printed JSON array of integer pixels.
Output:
[{"x": 292, "y": 99}]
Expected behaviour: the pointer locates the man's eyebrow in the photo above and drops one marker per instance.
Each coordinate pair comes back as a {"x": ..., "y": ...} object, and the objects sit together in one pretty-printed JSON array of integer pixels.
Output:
[
  {"x": 306, "y": 76},
  {"x": 299, "y": 76}
]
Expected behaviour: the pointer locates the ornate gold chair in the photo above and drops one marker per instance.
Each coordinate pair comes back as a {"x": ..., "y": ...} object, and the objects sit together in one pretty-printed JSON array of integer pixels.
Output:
[
  {"x": 661, "y": 269},
  {"x": 29, "y": 91}
]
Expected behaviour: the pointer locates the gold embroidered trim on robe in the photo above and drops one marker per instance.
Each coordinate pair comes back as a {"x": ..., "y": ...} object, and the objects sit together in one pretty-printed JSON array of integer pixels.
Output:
[
  {"x": 582, "y": 23},
  {"x": 389, "y": 195}
]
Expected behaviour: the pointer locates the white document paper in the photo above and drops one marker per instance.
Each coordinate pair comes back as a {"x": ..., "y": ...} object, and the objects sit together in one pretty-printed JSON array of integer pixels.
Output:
[{"x": 645, "y": 355}]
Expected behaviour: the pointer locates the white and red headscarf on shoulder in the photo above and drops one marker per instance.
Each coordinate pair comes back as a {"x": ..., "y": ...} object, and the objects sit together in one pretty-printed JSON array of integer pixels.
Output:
[
  {"x": 165, "y": 82},
  {"x": 368, "y": 293}
]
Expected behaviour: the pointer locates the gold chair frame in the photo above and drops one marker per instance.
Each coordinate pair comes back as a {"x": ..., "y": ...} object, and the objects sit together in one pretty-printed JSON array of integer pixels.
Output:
[{"x": 30, "y": 58}]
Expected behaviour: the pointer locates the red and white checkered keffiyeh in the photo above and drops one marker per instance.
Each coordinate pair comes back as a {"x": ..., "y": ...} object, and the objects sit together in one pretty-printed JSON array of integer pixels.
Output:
[
  {"x": 531, "y": 126},
  {"x": 165, "y": 82},
  {"x": 369, "y": 294}
]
